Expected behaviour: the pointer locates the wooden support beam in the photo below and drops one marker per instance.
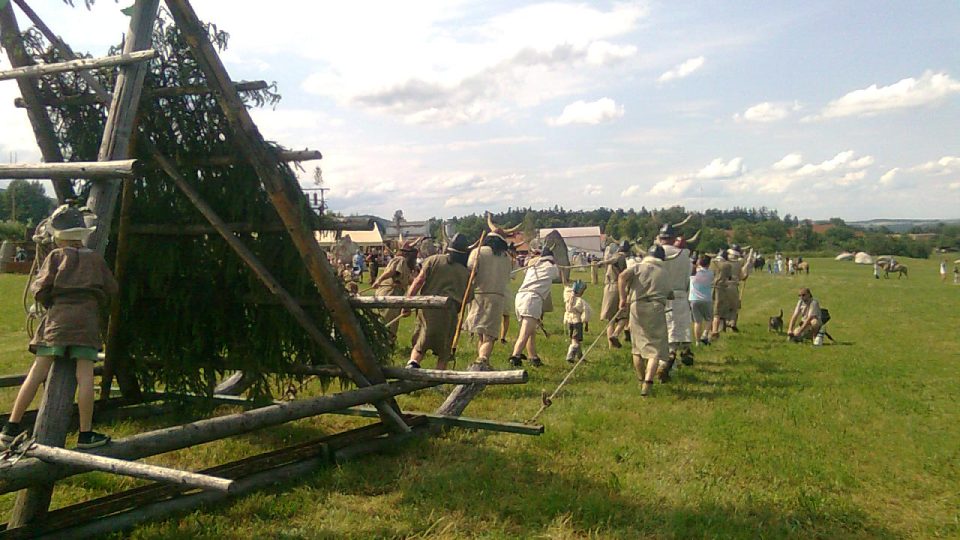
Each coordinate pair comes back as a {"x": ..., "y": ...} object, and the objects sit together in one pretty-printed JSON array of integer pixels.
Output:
[
  {"x": 7, "y": 381},
  {"x": 29, "y": 472},
  {"x": 408, "y": 302},
  {"x": 461, "y": 396},
  {"x": 285, "y": 156},
  {"x": 156, "y": 93},
  {"x": 39, "y": 70},
  {"x": 274, "y": 286},
  {"x": 12, "y": 42},
  {"x": 89, "y": 462},
  {"x": 169, "y": 229},
  {"x": 124, "y": 168},
  {"x": 286, "y": 195}
]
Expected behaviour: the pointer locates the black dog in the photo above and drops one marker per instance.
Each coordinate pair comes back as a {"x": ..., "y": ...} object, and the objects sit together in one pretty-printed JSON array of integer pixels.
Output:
[{"x": 776, "y": 323}]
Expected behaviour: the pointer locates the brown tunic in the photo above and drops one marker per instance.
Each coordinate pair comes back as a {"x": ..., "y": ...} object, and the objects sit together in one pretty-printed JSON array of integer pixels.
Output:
[
  {"x": 726, "y": 295},
  {"x": 649, "y": 287},
  {"x": 74, "y": 285},
  {"x": 395, "y": 285},
  {"x": 489, "y": 283},
  {"x": 437, "y": 326},
  {"x": 611, "y": 297}
]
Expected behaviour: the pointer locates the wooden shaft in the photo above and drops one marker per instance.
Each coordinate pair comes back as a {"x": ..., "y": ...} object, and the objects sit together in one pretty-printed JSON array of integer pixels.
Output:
[
  {"x": 408, "y": 302},
  {"x": 466, "y": 294},
  {"x": 286, "y": 196},
  {"x": 283, "y": 155},
  {"x": 125, "y": 168},
  {"x": 165, "y": 92},
  {"x": 39, "y": 70},
  {"x": 43, "y": 131},
  {"x": 439, "y": 376},
  {"x": 462, "y": 395},
  {"x": 172, "y": 229},
  {"x": 270, "y": 282},
  {"x": 89, "y": 462},
  {"x": 29, "y": 472}
]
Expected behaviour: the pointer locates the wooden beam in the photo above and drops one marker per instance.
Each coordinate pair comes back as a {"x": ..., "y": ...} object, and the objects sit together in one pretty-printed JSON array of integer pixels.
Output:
[
  {"x": 156, "y": 93},
  {"x": 29, "y": 472},
  {"x": 43, "y": 132},
  {"x": 197, "y": 229},
  {"x": 124, "y": 168},
  {"x": 286, "y": 196},
  {"x": 283, "y": 155},
  {"x": 39, "y": 70},
  {"x": 273, "y": 285},
  {"x": 439, "y": 376},
  {"x": 409, "y": 302},
  {"x": 461, "y": 396},
  {"x": 89, "y": 462}
]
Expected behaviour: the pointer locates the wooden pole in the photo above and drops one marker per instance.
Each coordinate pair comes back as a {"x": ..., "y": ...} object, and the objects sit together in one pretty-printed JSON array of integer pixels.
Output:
[
  {"x": 274, "y": 286},
  {"x": 39, "y": 70},
  {"x": 167, "y": 229},
  {"x": 285, "y": 156},
  {"x": 165, "y": 92},
  {"x": 401, "y": 302},
  {"x": 462, "y": 395},
  {"x": 127, "y": 381},
  {"x": 43, "y": 130},
  {"x": 125, "y": 168},
  {"x": 29, "y": 472},
  {"x": 439, "y": 376},
  {"x": 89, "y": 462},
  {"x": 51, "y": 428},
  {"x": 286, "y": 196}
]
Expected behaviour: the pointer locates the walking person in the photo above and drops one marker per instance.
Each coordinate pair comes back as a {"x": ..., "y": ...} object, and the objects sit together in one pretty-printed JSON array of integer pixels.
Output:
[
  {"x": 576, "y": 315},
  {"x": 74, "y": 284},
  {"x": 531, "y": 297},
  {"x": 610, "y": 306},
  {"x": 701, "y": 299},
  {"x": 395, "y": 280},
  {"x": 943, "y": 270},
  {"x": 645, "y": 290},
  {"x": 491, "y": 276}
]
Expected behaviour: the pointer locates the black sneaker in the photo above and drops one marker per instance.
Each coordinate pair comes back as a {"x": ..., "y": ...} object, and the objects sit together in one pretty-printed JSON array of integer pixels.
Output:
[
  {"x": 91, "y": 439},
  {"x": 536, "y": 362},
  {"x": 413, "y": 364},
  {"x": 10, "y": 432},
  {"x": 613, "y": 342},
  {"x": 515, "y": 361}
]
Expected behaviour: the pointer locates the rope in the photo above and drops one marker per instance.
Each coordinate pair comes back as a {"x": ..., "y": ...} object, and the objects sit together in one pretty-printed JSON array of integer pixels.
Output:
[
  {"x": 16, "y": 450},
  {"x": 547, "y": 401}
]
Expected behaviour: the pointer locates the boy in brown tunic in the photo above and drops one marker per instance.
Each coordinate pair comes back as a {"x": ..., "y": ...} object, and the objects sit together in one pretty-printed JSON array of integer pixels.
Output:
[
  {"x": 74, "y": 285},
  {"x": 442, "y": 275},
  {"x": 395, "y": 279}
]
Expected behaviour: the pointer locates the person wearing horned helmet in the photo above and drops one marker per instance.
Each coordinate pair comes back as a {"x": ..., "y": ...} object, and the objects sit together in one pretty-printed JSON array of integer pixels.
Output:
[
  {"x": 395, "y": 279},
  {"x": 491, "y": 265},
  {"x": 678, "y": 267},
  {"x": 645, "y": 289}
]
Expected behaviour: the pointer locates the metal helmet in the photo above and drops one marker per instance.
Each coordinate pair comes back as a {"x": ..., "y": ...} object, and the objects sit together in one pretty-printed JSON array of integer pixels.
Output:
[
  {"x": 579, "y": 286},
  {"x": 624, "y": 247},
  {"x": 656, "y": 251},
  {"x": 667, "y": 231},
  {"x": 459, "y": 244}
]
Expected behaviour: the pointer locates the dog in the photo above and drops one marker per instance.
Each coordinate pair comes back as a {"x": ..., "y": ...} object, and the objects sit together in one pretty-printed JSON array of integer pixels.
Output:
[{"x": 776, "y": 323}]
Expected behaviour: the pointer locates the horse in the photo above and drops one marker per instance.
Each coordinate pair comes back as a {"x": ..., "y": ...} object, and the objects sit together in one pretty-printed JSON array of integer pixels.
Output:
[
  {"x": 803, "y": 267},
  {"x": 899, "y": 269}
]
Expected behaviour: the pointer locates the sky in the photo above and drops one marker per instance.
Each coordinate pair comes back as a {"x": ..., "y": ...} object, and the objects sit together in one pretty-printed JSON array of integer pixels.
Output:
[{"x": 818, "y": 109}]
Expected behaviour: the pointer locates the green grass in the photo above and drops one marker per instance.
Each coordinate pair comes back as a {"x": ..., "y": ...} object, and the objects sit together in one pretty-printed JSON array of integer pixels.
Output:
[{"x": 760, "y": 439}]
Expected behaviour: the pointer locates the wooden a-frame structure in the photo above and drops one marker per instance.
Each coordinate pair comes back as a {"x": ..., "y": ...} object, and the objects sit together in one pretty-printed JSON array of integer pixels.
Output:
[{"x": 107, "y": 176}]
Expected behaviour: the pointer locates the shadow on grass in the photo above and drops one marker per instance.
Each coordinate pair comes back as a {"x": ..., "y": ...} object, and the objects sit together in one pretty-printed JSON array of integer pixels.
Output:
[{"x": 726, "y": 378}]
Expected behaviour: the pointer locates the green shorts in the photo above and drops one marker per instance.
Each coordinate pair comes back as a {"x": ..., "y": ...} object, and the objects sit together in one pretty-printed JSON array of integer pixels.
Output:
[{"x": 75, "y": 351}]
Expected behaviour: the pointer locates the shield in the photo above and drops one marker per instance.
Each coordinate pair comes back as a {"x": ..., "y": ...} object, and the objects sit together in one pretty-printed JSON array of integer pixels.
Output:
[{"x": 560, "y": 253}]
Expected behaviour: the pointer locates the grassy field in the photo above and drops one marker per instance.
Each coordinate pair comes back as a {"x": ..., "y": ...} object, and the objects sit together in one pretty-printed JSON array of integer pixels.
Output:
[{"x": 760, "y": 439}]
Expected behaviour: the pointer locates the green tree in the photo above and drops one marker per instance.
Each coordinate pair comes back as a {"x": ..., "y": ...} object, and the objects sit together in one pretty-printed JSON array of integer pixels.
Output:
[
  {"x": 25, "y": 202},
  {"x": 612, "y": 229}
]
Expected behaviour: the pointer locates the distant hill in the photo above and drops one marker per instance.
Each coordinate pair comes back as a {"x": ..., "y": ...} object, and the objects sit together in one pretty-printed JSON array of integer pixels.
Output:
[{"x": 899, "y": 225}]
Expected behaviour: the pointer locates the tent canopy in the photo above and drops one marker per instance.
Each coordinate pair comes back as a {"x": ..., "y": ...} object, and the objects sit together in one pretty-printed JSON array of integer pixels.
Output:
[{"x": 371, "y": 238}]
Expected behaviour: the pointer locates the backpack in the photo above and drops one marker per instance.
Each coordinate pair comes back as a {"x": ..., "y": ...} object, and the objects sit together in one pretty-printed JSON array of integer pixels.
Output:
[{"x": 824, "y": 316}]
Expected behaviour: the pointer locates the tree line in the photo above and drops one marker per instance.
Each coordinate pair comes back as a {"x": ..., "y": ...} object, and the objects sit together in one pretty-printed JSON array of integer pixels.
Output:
[{"x": 762, "y": 228}]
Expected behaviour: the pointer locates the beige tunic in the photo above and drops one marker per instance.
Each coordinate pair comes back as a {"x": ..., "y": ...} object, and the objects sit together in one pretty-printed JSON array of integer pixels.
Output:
[
  {"x": 611, "y": 297},
  {"x": 649, "y": 288},
  {"x": 726, "y": 290},
  {"x": 679, "y": 318},
  {"x": 75, "y": 286},
  {"x": 396, "y": 285},
  {"x": 437, "y": 326},
  {"x": 486, "y": 309}
]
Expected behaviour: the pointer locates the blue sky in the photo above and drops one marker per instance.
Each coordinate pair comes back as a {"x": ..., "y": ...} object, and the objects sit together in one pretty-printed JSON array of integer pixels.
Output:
[{"x": 442, "y": 108}]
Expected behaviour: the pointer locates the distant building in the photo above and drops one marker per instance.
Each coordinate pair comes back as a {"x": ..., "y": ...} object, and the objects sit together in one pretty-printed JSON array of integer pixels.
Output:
[
  {"x": 388, "y": 229},
  {"x": 585, "y": 239}
]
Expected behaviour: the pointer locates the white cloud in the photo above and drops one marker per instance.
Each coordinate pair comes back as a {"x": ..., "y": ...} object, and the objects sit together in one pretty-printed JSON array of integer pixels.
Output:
[
  {"x": 592, "y": 189},
  {"x": 718, "y": 170},
  {"x": 673, "y": 186},
  {"x": 767, "y": 112},
  {"x": 789, "y": 161},
  {"x": 630, "y": 191},
  {"x": 929, "y": 88},
  {"x": 942, "y": 166},
  {"x": 594, "y": 112},
  {"x": 682, "y": 70},
  {"x": 953, "y": 186},
  {"x": 890, "y": 176},
  {"x": 841, "y": 160}
]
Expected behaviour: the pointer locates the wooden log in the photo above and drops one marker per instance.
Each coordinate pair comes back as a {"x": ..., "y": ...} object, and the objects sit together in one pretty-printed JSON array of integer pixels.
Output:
[
  {"x": 285, "y": 195},
  {"x": 89, "y": 462},
  {"x": 236, "y": 384},
  {"x": 461, "y": 396},
  {"x": 165, "y": 92},
  {"x": 285, "y": 156},
  {"x": 7, "y": 381},
  {"x": 125, "y": 168},
  {"x": 39, "y": 70},
  {"x": 408, "y": 302},
  {"x": 274, "y": 286},
  {"x": 446, "y": 376},
  {"x": 50, "y": 429},
  {"x": 30, "y": 472},
  {"x": 12, "y": 42},
  {"x": 120, "y": 273}
]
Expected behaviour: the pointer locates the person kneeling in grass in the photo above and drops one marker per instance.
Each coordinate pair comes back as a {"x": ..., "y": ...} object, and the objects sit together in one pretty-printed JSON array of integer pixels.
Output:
[
  {"x": 74, "y": 285},
  {"x": 806, "y": 316}
]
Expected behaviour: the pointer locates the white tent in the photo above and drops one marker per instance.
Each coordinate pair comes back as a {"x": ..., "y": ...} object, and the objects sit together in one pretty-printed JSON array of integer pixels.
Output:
[
  {"x": 862, "y": 258},
  {"x": 845, "y": 256},
  {"x": 369, "y": 238}
]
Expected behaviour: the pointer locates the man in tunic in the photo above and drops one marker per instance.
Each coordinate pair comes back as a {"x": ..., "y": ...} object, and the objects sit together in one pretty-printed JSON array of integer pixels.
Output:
[
  {"x": 491, "y": 266},
  {"x": 610, "y": 306},
  {"x": 443, "y": 274},
  {"x": 678, "y": 268},
  {"x": 394, "y": 281},
  {"x": 645, "y": 289},
  {"x": 531, "y": 299},
  {"x": 728, "y": 272}
]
